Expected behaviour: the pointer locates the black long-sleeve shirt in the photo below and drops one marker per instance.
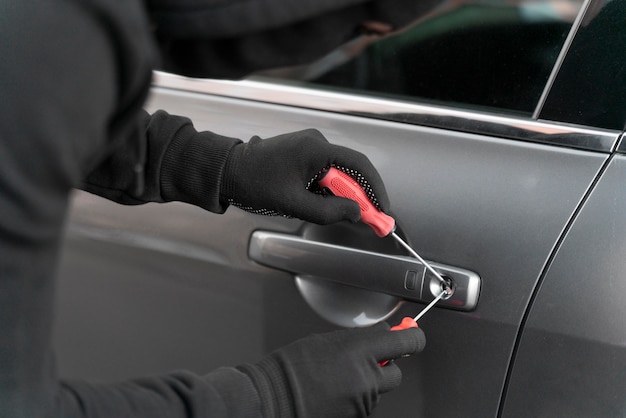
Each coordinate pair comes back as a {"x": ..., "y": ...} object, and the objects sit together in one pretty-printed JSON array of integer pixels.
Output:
[{"x": 73, "y": 78}]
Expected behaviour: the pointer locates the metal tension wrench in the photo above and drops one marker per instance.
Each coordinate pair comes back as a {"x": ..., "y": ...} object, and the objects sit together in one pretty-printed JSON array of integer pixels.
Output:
[{"x": 342, "y": 184}]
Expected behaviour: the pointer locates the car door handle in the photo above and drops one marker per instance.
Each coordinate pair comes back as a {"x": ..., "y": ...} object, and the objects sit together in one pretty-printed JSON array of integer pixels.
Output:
[{"x": 395, "y": 275}]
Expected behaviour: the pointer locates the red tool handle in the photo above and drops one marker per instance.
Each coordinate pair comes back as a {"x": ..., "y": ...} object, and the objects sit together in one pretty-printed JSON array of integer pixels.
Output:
[
  {"x": 406, "y": 323},
  {"x": 341, "y": 184}
]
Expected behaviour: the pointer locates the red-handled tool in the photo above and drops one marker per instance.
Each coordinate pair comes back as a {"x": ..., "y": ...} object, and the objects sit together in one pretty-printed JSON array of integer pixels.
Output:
[
  {"x": 408, "y": 322},
  {"x": 341, "y": 184}
]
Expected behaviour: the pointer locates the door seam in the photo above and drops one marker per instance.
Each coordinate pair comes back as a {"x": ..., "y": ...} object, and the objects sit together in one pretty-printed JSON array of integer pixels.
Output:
[{"x": 544, "y": 270}]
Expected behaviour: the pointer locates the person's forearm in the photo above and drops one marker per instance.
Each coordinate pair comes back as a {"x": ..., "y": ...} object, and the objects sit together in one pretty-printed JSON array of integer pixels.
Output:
[
  {"x": 165, "y": 159},
  {"x": 224, "y": 392}
]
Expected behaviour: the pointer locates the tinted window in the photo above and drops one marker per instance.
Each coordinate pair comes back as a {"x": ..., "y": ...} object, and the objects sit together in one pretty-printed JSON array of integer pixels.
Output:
[
  {"x": 477, "y": 54},
  {"x": 590, "y": 88}
]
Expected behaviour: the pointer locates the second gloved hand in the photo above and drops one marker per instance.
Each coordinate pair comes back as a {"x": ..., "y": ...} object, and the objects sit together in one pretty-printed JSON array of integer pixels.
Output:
[
  {"x": 334, "y": 374},
  {"x": 272, "y": 176}
]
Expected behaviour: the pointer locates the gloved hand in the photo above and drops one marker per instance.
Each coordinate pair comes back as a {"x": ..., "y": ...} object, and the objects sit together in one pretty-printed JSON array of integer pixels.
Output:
[
  {"x": 334, "y": 374},
  {"x": 273, "y": 177}
]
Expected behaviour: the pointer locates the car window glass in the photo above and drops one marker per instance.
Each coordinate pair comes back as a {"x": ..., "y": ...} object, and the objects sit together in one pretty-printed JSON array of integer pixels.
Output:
[
  {"x": 466, "y": 53},
  {"x": 590, "y": 88}
]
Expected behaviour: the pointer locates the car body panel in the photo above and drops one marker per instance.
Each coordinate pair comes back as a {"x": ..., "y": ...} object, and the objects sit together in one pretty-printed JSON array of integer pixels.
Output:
[
  {"x": 397, "y": 110},
  {"x": 573, "y": 346},
  {"x": 461, "y": 199}
]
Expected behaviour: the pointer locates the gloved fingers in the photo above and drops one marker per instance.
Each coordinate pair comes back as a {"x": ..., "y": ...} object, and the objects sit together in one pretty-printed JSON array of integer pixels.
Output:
[
  {"x": 390, "y": 377},
  {"x": 325, "y": 210},
  {"x": 333, "y": 374},
  {"x": 394, "y": 344},
  {"x": 271, "y": 176}
]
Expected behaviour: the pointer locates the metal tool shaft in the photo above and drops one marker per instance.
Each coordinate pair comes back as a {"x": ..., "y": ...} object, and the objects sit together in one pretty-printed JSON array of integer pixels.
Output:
[
  {"x": 416, "y": 255},
  {"x": 430, "y": 305}
]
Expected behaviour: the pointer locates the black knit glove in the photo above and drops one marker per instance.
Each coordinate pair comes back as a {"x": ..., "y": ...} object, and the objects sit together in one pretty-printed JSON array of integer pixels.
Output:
[
  {"x": 276, "y": 176},
  {"x": 332, "y": 375}
]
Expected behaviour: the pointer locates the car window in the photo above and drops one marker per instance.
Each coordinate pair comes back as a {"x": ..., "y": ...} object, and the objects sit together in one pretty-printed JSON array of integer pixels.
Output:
[
  {"x": 590, "y": 88},
  {"x": 466, "y": 53}
]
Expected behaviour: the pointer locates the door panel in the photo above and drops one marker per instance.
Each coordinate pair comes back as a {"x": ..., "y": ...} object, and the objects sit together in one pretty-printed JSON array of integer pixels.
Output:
[
  {"x": 571, "y": 358},
  {"x": 489, "y": 205},
  {"x": 158, "y": 287}
]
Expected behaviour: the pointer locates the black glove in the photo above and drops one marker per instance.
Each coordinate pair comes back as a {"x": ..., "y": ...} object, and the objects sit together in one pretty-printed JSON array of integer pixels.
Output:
[
  {"x": 332, "y": 375},
  {"x": 273, "y": 177}
]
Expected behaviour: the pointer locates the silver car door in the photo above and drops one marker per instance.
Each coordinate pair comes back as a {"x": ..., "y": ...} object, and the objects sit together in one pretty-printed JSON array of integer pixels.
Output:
[{"x": 477, "y": 188}]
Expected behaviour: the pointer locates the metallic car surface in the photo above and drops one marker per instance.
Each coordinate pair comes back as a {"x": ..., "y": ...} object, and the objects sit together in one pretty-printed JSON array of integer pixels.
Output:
[
  {"x": 534, "y": 207},
  {"x": 502, "y": 126},
  {"x": 471, "y": 201},
  {"x": 571, "y": 356}
]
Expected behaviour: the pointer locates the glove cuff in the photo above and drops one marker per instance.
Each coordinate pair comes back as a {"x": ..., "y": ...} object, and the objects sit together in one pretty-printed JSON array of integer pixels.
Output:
[
  {"x": 273, "y": 387},
  {"x": 227, "y": 186},
  {"x": 193, "y": 168}
]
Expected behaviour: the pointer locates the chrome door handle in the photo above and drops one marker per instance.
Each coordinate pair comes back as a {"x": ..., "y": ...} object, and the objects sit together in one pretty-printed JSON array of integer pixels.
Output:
[{"x": 395, "y": 275}]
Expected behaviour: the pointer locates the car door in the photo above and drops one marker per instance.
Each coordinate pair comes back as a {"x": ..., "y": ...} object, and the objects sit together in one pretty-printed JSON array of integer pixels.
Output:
[
  {"x": 570, "y": 354},
  {"x": 482, "y": 184}
]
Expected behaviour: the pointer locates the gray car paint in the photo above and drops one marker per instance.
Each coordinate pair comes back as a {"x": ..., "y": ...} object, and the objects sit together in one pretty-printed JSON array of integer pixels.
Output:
[
  {"x": 571, "y": 360},
  {"x": 490, "y": 205}
]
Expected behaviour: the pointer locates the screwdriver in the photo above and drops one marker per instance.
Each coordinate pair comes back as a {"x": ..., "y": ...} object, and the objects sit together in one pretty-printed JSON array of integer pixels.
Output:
[
  {"x": 408, "y": 322},
  {"x": 342, "y": 184}
]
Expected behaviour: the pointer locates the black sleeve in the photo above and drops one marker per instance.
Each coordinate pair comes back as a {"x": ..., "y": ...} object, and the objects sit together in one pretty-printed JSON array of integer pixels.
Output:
[
  {"x": 225, "y": 392},
  {"x": 71, "y": 91},
  {"x": 165, "y": 159}
]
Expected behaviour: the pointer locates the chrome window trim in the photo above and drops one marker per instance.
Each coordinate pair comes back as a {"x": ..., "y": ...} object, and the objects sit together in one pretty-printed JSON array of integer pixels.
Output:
[
  {"x": 621, "y": 146},
  {"x": 516, "y": 128}
]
